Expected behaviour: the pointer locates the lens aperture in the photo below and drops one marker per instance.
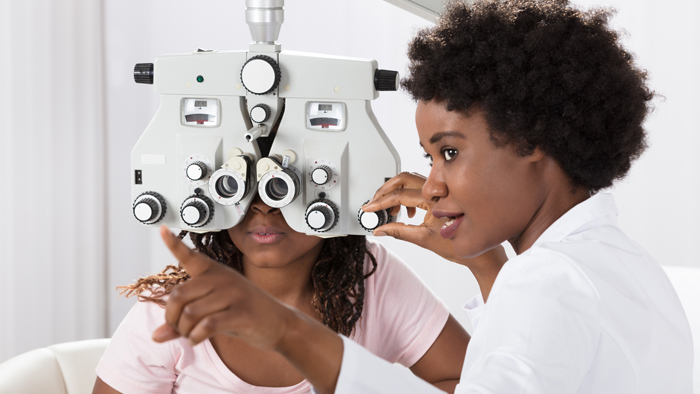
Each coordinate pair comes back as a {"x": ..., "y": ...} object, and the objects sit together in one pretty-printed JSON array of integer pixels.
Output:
[
  {"x": 276, "y": 189},
  {"x": 226, "y": 186}
]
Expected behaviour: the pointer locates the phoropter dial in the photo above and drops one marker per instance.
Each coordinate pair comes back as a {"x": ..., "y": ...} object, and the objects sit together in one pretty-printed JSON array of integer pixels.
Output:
[
  {"x": 260, "y": 113},
  {"x": 371, "y": 220},
  {"x": 197, "y": 210},
  {"x": 196, "y": 171},
  {"x": 321, "y": 175},
  {"x": 149, "y": 208},
  {"x": 260, "y": 74},
  {"x": 321, "y": 215}
]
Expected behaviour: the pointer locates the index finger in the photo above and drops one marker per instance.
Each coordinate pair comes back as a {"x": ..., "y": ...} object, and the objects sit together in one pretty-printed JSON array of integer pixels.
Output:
[
  {"x": 410, "y": 198},
  {"x": 190, "y": 260},
  {"x": 404, "y": 180}
]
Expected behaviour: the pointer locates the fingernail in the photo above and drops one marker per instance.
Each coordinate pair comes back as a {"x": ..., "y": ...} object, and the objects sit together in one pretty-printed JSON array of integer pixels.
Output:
[
  {"x": 379, "y": 234},
  {"x": 191, "y": 342}
]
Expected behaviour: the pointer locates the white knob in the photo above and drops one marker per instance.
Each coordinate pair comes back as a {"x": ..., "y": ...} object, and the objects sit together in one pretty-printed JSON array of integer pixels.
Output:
[
  {"x": 316, "y": 220},
  {"x": 143, "y": 211},
  {"x": 260, "y": 74},
  {"x": 369, "y": 220},
  {"x": 196, "y": 171},
  {"x": 321, "y": 175},
  {"x": 191, "y": 215},
  {"x": 260, "y": 113}
]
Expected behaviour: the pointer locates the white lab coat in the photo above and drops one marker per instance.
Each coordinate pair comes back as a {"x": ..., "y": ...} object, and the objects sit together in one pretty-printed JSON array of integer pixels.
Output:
[{"x": 585, "y": 310}]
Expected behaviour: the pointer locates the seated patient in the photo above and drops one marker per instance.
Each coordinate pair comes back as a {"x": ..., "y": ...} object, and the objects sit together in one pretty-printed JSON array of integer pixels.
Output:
[{"x": 354, "y": 286}]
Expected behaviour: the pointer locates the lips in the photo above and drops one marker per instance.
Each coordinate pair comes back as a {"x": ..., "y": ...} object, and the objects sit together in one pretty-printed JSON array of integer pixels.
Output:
[
  {"x": 454, "y": 219},
  {"x": 265, "y": 234}
]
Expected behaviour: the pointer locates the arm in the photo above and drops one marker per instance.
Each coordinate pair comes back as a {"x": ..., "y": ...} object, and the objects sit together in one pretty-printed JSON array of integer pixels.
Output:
[
  {"x": 442, "y": 364},
  {"x": 219, "y": 300},
  {"x": 103, "y": 388}
]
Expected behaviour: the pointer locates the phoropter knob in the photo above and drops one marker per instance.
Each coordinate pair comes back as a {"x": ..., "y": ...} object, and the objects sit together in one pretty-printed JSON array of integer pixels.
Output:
[
  {"x": 143, "y": 73},
  {"x": 321, "y": 175},
  {"x": 371, "y": 220},
  {"x": 197, "y": 210},
  {"x": 260, "y": 74},
  {"x": 386, "y": 80},
  {"x": 260, "y": 113},
  {"x": 321, "y": 215},
  {"x": 149, "y": 208},
  {"x": 196, "y": 171}
]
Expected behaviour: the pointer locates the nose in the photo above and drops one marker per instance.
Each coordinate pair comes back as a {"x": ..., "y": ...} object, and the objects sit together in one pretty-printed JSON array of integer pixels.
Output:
[
  {"x": 259, "y": 206},
  {"x": 434, "y": 187}
]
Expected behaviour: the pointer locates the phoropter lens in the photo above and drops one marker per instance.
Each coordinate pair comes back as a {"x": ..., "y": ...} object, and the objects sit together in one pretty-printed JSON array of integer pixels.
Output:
[
  {"x": 276, "y": 189},
  {"x": 226, "y": 186}
]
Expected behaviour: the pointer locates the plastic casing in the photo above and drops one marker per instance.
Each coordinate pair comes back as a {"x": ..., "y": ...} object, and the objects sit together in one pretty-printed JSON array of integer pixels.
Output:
[{"x": 362, "y": 152}]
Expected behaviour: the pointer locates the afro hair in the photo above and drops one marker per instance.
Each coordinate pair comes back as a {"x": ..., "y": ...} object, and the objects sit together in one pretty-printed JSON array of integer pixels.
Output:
[{"x": 544, "y": 74}]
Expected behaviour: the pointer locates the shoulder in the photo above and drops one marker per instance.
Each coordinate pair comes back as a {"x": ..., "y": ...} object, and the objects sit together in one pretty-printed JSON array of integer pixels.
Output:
[
  {"x": 387, "y": 261},
  {"x": 541, "y": 273}
]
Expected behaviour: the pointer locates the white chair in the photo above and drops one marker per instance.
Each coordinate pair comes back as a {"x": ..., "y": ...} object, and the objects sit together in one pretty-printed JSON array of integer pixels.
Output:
[
  {"x": 66, "y": 368},
  {"x": 686, "y": 281}
]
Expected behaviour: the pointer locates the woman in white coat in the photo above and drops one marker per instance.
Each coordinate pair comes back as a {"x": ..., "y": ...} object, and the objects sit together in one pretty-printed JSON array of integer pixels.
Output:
[{"x": 526, "y": 109}]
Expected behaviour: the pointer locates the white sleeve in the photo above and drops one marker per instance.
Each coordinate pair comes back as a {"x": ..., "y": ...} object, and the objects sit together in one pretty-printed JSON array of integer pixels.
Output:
[{"x": 363, "y": 372}]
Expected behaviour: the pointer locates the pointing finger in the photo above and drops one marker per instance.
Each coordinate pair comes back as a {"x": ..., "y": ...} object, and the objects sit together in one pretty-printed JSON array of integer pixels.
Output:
[
  {"x": 164, "y": 333},
  {"x": 194, "y": 263}
]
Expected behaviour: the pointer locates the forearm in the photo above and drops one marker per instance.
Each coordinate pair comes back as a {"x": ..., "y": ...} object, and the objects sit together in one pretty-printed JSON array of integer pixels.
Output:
[
  {"x": 314, "y": 349},
  {"x": 447, "y": 386}
]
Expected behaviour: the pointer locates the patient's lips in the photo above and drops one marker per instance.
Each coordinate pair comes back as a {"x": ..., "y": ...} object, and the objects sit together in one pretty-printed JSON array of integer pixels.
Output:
[{"x": 265, "y": 234}]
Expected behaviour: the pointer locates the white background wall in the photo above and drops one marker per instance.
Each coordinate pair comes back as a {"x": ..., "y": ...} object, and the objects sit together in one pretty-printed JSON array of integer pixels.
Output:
[{"x": 658, "y": 202}]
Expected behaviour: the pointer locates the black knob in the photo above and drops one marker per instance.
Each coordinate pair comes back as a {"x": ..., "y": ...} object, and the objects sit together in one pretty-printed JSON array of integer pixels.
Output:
[
  {"x": 259, "y": 81},
  {"x": 149, "y": 208},
  {"x": 143, "y": 73},
  {"x": 386, "y": 80},
  {"x": 260, "y": 113}
]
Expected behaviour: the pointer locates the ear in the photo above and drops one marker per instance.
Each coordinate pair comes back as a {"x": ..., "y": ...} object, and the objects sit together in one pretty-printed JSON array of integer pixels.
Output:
[{"x": 537, "y": 155}]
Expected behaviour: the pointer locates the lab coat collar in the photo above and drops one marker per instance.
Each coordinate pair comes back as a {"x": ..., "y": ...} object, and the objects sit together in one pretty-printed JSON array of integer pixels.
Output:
[
  {"x": 599, "y": 206},
  {"x": 473, "y": 309}
]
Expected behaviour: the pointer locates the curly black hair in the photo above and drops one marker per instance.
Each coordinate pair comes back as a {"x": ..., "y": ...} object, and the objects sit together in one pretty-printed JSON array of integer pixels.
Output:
[
  {"x": 544, "y": 74},
  {"x": 338, "y": 276}
]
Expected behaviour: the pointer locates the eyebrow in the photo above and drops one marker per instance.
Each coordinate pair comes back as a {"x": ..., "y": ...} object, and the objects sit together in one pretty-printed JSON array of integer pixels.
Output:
[{"x": 443, "y": 134}]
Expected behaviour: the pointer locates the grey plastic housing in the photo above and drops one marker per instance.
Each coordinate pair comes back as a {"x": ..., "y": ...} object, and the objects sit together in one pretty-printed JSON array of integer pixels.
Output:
[{"x": 361, "y": 152}]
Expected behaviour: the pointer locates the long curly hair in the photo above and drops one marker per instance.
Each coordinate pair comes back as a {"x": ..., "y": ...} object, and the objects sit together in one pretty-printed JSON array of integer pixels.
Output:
[
  {"x": 544, "y": 74},
  {"x": 338, "y": 276}
]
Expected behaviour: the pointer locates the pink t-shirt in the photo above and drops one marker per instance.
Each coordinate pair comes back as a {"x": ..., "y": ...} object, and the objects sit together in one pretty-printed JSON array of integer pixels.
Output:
[{"x": 400, "y": 321}]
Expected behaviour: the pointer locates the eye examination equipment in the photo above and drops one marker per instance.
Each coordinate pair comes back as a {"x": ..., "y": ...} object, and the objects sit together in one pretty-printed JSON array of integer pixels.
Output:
[{"x": 297, "y": 128}]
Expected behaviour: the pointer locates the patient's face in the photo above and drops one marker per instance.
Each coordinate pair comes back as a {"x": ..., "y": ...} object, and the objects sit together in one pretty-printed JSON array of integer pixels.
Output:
[{"x": 267, "y": 241}]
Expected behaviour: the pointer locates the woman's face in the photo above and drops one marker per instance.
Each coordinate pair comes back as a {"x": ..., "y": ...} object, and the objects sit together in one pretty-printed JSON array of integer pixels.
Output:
[
  {"x": 267, "y": 241},
  {"x": 491, "y": 193}
]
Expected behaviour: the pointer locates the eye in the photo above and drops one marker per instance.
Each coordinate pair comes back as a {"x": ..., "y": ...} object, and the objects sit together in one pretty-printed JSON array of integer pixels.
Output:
[
  {"x": 449, "y": 153},
  {"x": 430, "y": 158}
]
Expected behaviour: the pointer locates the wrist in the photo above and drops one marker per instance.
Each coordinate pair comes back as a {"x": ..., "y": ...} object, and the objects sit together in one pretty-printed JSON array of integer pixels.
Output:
[{"x": 293, "y": 328}]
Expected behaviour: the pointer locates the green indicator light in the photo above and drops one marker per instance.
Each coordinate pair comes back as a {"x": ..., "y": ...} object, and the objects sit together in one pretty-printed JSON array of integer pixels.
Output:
[{"x": 200, "y": 78}]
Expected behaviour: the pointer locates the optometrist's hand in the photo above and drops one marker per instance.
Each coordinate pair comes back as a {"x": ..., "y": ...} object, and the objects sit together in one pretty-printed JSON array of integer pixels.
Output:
[
  {"x": 219, "y": 300},
  {"x": 405, "y": 190}
]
